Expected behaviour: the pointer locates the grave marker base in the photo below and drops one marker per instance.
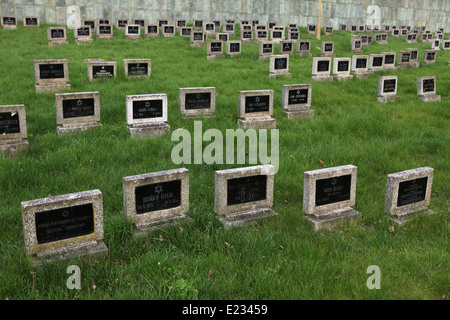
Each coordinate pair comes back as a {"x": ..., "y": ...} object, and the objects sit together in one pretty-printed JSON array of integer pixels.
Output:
[
  {"x": 323, "y": 78},
  {"x": 83, "y": 41},
  {"x": 331, "y": 219},
  {"x": 55, "y": 43},
  {"x": 142, "y": 228},
  {"x": 387, "y": 99},
  {"x": 295, "y": 114},
  {"x": 357, "y": 51},
  {"x": 304, "y": 54},
  {"x": 430, "y": 98},
  {"x": 214, "y": 56},
  {"x": 236, "y": 219},
  {"x": 343, "y": 77},
  {"x": 198, "y": 116},
  {"x": 258, "y": 123},
  {"x": 362, "y": 75},
  {"x": 13, "y": 147},
  {"x": 148, "y": 130},
  {"x": 76, "y": 127},
  {"x": 52, "y": 88},
  {"x": 264, "y": 57},
  {"x": 274, "y": 75},
  {"x": 413, "y": 214}
]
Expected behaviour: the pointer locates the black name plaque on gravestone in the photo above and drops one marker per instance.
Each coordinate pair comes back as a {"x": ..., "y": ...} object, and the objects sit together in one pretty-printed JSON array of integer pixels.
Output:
[
  {"x": 198, "y": 100},
  {"x": 186, "y": 32},
  {"x": 181, "y": 23},
  {"x": 428, "y": 85},
  {"x": 162, "y": 22},
  {"x": 261, "y": 27},
  {"x": 323, "y": 66},
  {"x": 257, "y": 103},
  {"x": 357, "y": 44},
  {"x": 64, "y": 223},
  {"x": 247, "y": 27},
  {"x": 262, "y": 34},
  {"x": 9, "y": 122},
  {"x": 328, "y": 29},
  {"x": 158, "y": 196},
  {"x": 51, "y": 71},
  {"x": 412, "y": 191},
  {"x": 122, "y": 23},
  {"x": 299, "y": 96},
  {"x": 223, "y": 37},
  {"x": 152, "y": 29},
  {"x": 75, "y": 108},
  {"x": 57, "y": 33},
  {"x": 353, "y": 28},
  {"x": 247, "y": 34},
  {"x": 209, "y": 26},
  {"x": 168, "y": 29},
  {"x": 9, "y": 20},
  {"x": 343, "y": 66},
  {"x": 140, "y": 22},
  {"x": 287, "y": 46},
  {"x": 84, "y": 31},
  {"x": 389, "y": 85},
  {"x": 312, "y": 28},
  {"x": 229, "y": 27},
  {"x": 447, "y": 44},
  {"x": 137, "y": 69},
  {"x": 90, "y": 24},
  {"x": 198, "y": 36},
  {"x": 103, "y": 21},
  {"x": 216, "y": 46},
  {"x": 246, "y": 189},
  {"x": 361, "y": 63},
  {"x": 105, "y": 29},
  {"x": 143, "y": 109},
  {"x": 431, "y": 55},
  {"x": 31, "y": 21},
  {"x": 235, "y": 47},
  {"x": 277, "y": 34},
  {"x": 331, "y": 190},
  {"x": 377, "y": 61},
  {"x": 389, "y": 59},
  {"x": 280, "y": 63},
  {"x": 102, "y": 71},
  {"x": 267, "y": 48},
  {"x": 133, "y": 29},
  {"x": 328, "y": 47},
  {"x": 377, "y": 37},
  {"x": 294, "y": 35},
  {"x": 198, "y": 24},
  {"x": 383, "y": 37},
  {"x": 406, "y": 57},
  {"x": 304, "y": 46}
]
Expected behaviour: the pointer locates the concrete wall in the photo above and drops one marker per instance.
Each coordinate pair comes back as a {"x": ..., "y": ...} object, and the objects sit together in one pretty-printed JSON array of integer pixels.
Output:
[{"x": 430, "y": 13}]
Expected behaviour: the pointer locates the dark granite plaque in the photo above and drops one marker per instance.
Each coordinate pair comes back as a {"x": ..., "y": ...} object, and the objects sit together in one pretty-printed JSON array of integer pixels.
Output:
[
  {"x": 84, "y": 31},
  {"x": 247, "y": 27},
  {"x": 299, "y": 96},
  {"x": 223, "y": 37},
  {"x": 198, "y": 36},
  {"x": 364, "y": 38},
  {"x": 64, "y": 223},
  {"x": 383, "y": 37},
  {"x": 262, "y": 34},
  {"x": 396, "y": 32},
  {"x": 389, "y": 85},
  {"x": 344, "y": 27},
  {"x": 246, "y": 189},
  {"x": 102, "y": 71},
  {"x": 9, "y": 122},
  {"x": 267, "y": 47},
  {"x": 143, "y": 109},
  {"x": 431, "y": 56},
  {"x": 412, "y": 191},
  {"x": 137, "y": 69},
  {"x": 209, "y": 26},
  {"x": 152, "y": 29},
  {"x": 257, "y": 103},
  {"x": 280, "y": 63},
  {"x": 122, "y": 23},
  {"x": 428, "y": 85},
  {"x": 9, "y": 20},
  {"x": 255, "y": 22},
  {"x": 158, "y": 196},
  {"x": 304, "y": 46},
  {"x": 294, "y": 35},
  {"x": 328, "y": 30},
  {"x": 357, "y": 44},
  {"x": 162, "y": 22},
  {"x": 406, "y": 57},
  {"x": 133, "y": 29},
  {"x": 57, "y": 33},
  {"x": 199, "y": 100},
  {"x": 235, "y": 47},
  {"x": 277, "y": 34},
  {"x": 272, "y": 24},
  {"x": 331, "y": 190},
  {"x": 229, "y": 27},
  {"x": 343, "y": 66},
  {"x": 140, "y": 22},
  {"x": 247, "y": 34},
  {"x": 51, "y": 71},
  {"x": 312, "y": 28},
  {"x": 353, "y": 28},
  {"x": 378, "y": 37},
  {"x": 90, "y": 24},
  {"x": 198, "y": 24},
  {"x": 103, "y": 21},
  {"x": 186, "y": 31},
  {"x": 389, "y": 59},
  {"x": 447, "y": 44},
  {"x": 105, "y": 29},
  {"x": 169, "y": 29},
  {"x": 430, "y": 36},
  {"x": 377, "y": 62},
  {"x": 216, "y": 46},
  {"x": 261, "y": 27},
  {"x": 361, "y": 63},
  {"x": 31, "y": 21},
  {"x": 181, "y": 23},
  {"x": 287, "y": 46},
  {"x": 323, "y": 66},
  {"x": 361, "y": 28},
  {"x": 76, "y": 108}
]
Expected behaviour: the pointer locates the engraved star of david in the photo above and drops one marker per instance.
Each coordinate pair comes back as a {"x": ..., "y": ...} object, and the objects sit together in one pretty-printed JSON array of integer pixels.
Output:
[
  {"x": 158, "y": 189},
  {"x": 147, "y": 104},
  {"x": 79, "y": 103},
  {"x": 257, "y": 99},
  {"x": 334, "y": 181},
  {"x": 65, "y": 213}
]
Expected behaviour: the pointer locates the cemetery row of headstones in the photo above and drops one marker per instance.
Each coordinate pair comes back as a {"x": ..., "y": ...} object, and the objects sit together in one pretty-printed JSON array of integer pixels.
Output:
[{"x": 71, "y": 225}]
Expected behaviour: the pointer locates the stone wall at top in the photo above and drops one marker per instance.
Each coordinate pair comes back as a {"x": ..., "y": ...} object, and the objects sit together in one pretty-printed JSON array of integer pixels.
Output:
[{"x": 430, "y": 13}]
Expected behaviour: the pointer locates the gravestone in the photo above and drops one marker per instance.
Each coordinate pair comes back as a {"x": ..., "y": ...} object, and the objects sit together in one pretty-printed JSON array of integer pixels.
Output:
[
  {"x": 186, "y": 31},
  {"x": 389, "y": 60},
  {"x": 276, "y": 35},
  {"x": 403, "y": 32},
  {"x": 260, "y": 27},
  {"x": 426, "y": 89},
  {"x": 287, "y": 47},
  {"x": 234, "y": 47},
  {"x": 446, "y": 45},
  {"x": 217, "y": 25},
  {"x": 246, "y": 27},
  {"x": 161, "y": 22},
  {"x": 270, "y": 25},
  {"x": 62, "y": 227},
  {"x": 296, "y": 101},
  {"x": 353, "y": 28},
  {"x": 51, "y": 75},
  {"x": 262, "y": 35},
  {"x": 436, "y": 44},
  {"x": 214, "y": 49},
  {"x": 140, "y": 22},
  {"x": 279, "y": 66},
  {"x": 103, "y": 21},
  {"x": 198, "y": 25},
  {"x": 293, "y": 35},
  {"x": 244, "y": 195},
  {"x": 198, "y": 38},
  {"x": 361, "y": 28},
  {"x": 105, "y": 31},
  {"x": 383, "y": 38},
  {"x": 265, "y": 50},
  {"x": 424, "y": 37},
  {"x": 83, "y": 35},
  {"x": 311, "y": 29},
  {"x": 56, "y": 36},
  {"x": 31, "y": 22},
  {"x": 255, "y": 109},
  {"x": 180, "y": 23},
  {"x": 321, "y": 69},
  {"x": 328, "y": 31},
  {"x": 101, "y": 70},
  {"x": 408, "y": 194},
  {"x": 168, "y": 30},
  {"x": 155, "y": 200},
  {"x": 133, "y": 31},
  {"x": 404, "y": 59},
  {"x": 77, "y": 111},
  {"x": 328, "y": 196},
  {"x": 343, "y": 27},
  {"x": 327, "y": 49},
  {"x": 364, "y": 40},
  {"x": 9, "y": 22},
  {"x": 197, "y": 102},
  {"x": 246, "y": 36},
  {"x": 137, "y": 68},
  {"x": 255, "y": 23},
  {"x": 356, "y": 44},
  {"x": 387, "y": 28},
  {"x": 90, "y": 23},
  {"x": 411, "y": 38},
  {"x": 209, "y": 28},
  {"x": 341, "y": 69},
  {"x": 376, "y": 62},
  {"x": 229, "y": 28},
  {"x": 151, "y": 31},
  {"x": 304, "y": 48},
  {"x": 429, "y": 57},
  {"x": 387, "y": 89},
  {"x": 13, "y": 130},
  {"x": 147, "y": 115},
  {"x": 121, "y": 24},
  {"x": 360, "y": 65},
  {"x": 222, "y": 36},
  {"x": 395, "y": 33}
]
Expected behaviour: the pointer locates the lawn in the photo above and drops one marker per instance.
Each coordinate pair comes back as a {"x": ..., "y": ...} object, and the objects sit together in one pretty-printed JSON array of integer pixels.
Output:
[{"x": 278, "y": 258}]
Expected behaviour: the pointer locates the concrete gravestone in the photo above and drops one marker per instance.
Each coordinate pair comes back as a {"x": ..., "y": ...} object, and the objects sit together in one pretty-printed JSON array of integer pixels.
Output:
[
  {"x": 328, "y": 195},
  {"x": 296, "y": 101},
  {"x": 140, "y": 68},
  {"x": 360, "y": 64},
  {"x": 341, "y": 69},
  {"x": 327, "y": 49},
  {"x": 244, "y": 195},
  {"x": 279, "y": 66},
  {"x": 83, "y": 35},
  {"x": 389, "y": 60},
  {"x": 133, "y": 31},
  {"x": 387, "y": 89},
  {"x": 214, "y": 49},
  {"x": 151, "y": 31},
  {"x": 9, "y": 22},
  {"x": 426, "y": 89},
  {"x": 265, "y": 50},
  {"x": 322, "y": 69},
  {"x": 304, "y": 48},
  {"x": 105, "y": 31},
  {"x": 255, "y": 109},
  {"x": 197, "y": 102},
  {"x": 154, "y": 200},
  {"x": 101, "y": 69},
  {"x": 429, "y": 57},
  {"x": 376, "y": 62},
  {"x": 31, "y": 22},
  {"x": 234, "y": 47},
  {"x": 13, "y": 130},
  {"x": 63, "y": 227},
  {"x": 51, "y": 75},
  {"x": 287, "y": 47},
  {"x": 56, "y": 36}
]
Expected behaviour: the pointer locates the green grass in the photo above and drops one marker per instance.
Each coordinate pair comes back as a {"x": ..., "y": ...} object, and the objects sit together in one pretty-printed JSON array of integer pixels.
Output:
[{"x": 279, "y": 258}]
